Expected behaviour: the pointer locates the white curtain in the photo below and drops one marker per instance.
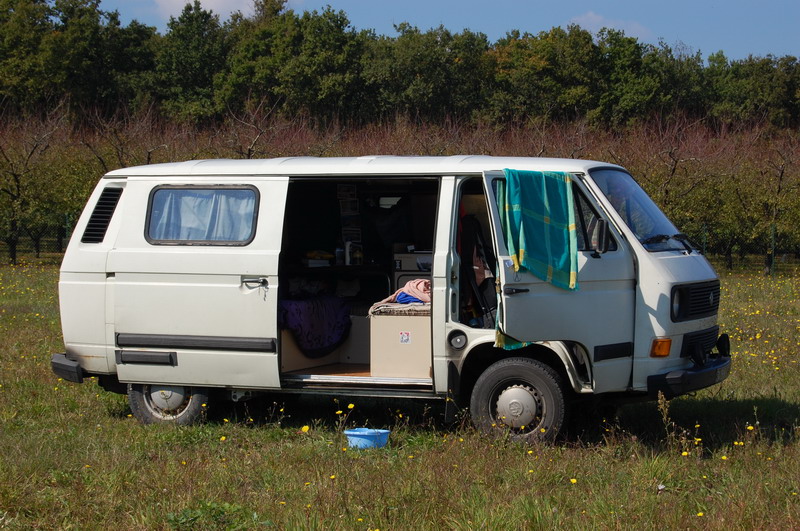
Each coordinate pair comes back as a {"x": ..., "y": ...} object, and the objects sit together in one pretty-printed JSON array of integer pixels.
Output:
[{"x": 202, "y": 215}]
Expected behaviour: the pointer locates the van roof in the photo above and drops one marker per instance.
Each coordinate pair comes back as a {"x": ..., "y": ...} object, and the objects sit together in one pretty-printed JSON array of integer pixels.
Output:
[{"x": 371, "y": 165}]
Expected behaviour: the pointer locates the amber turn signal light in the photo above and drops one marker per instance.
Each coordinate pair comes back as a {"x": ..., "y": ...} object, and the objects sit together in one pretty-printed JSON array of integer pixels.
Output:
[{"x": 660, "y": 348}]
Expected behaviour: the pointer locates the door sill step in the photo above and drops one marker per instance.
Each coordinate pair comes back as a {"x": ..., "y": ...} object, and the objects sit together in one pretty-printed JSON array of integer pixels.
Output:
[{"x": 355, "y": 381}]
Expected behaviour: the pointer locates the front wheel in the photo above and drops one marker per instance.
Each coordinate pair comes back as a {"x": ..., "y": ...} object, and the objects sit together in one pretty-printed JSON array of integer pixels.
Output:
[
  {"x": 176, "y": 404},
  {"x": 521, "y": 396}
]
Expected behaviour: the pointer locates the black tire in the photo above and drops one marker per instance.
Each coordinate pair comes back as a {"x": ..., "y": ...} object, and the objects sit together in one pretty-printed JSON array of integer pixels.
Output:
[
  {"x": 175, "y": 404},
  {"x": 519, "y": 396}
]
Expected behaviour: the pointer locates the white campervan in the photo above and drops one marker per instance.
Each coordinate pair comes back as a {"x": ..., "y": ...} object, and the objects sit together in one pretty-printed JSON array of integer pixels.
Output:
[{"x": 515, "y": 286}]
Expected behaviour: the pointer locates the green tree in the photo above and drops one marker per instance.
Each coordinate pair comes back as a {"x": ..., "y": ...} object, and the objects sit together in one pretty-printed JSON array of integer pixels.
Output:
[
  {"x": 306, "y": 65},
  {"x": 73, "y": 51},
  {"x": 429, "y": 75},
  {"x": 755, "y": 88},
  {"x": 628, "y": 90},
  {"x": 553, "y": 75},
  {"x": 471, "y": 74},
  {"x": 70, "y": 50},
  {"x": 24, "y": 24},
  {"x": 128, "y": 60},
  {"x": 322, "y": 78},
  {"x": 415, "y": 80},
  {"x": 681, "y": 78},
  {"x": 190, "y": 56},
  {"x": 251, "y": 75}
]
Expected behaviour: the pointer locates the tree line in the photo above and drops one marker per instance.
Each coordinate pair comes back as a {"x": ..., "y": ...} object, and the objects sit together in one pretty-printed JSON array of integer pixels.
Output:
[
  {"x": 315, "y": 65},
  {"x": 716, "y": 143},
  {"x": 735, "y": 192}
]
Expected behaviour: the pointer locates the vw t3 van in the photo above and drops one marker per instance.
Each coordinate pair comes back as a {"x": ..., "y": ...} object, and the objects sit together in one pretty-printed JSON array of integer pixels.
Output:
[{"x": 513, "y": 286}]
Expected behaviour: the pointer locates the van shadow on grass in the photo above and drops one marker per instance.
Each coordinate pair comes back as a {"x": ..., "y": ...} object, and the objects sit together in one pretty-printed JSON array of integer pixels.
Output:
[
  {"x": 323, "y": 411},
  {"x": 718, "y": 421},
  {"x": 291, "y": 410}
]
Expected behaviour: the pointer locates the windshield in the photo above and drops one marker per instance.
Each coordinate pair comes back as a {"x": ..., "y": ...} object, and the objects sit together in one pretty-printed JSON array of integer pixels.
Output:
[{"x": 652, "y": 228}]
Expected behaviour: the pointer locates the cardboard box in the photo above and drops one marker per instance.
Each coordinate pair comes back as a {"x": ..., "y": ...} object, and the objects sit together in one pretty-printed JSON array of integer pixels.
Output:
[
  {"x": 413, "y": 261},
  {"x": 400, "y": 346}
]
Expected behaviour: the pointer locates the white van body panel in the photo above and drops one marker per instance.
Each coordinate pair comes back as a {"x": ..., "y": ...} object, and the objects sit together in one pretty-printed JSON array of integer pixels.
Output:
[
  {"x": 84, "y": 318},
  {"x": 190, "y": 292},
  {"x": 83, "y": 291},
  {"x": 440, "y": 282},
  {"x": 207, "y": 315},
  {"x": 659, "y": 273}
]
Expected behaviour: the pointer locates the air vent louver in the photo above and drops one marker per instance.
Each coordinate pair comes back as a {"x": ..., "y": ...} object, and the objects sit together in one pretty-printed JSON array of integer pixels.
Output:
[{"x": 101, "y": 216}]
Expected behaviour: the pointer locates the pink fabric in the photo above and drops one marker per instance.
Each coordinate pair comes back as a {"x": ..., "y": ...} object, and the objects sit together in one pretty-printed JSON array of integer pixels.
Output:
[{"x": 419, "y": 288}]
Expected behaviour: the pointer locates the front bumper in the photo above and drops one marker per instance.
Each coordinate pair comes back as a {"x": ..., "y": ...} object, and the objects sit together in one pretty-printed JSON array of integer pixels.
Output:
[
  {"x": 684, "y": 381},
  {"x": 66, "y": 368}
]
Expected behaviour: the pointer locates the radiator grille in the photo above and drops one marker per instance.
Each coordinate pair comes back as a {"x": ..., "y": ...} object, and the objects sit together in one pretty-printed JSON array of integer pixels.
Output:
[
  {"x": 697, "y": 300},
  {"x": 706, "y": 339}
]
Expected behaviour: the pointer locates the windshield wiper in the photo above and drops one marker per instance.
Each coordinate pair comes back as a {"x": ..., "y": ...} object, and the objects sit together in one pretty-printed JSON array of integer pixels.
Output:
[
  {"x": 684, "y": 239},
  {"x": 659, "y": 238}
]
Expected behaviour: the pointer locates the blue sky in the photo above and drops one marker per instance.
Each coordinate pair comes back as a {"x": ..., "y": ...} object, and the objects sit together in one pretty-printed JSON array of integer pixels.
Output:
[{"x": 737, "y": 27}]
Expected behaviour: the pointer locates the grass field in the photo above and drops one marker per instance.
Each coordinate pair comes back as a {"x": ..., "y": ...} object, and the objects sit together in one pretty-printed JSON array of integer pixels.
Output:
[{"x": 727, "y": 458}]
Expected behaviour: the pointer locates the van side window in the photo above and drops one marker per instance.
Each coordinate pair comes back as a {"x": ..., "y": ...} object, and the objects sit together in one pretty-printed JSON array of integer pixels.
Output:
[
  {"x": 586, "y": 223},
  {"x": 477, "y": 305},
  {"x": 194, "y": 215},
  {"x": 585, "y": 218}
]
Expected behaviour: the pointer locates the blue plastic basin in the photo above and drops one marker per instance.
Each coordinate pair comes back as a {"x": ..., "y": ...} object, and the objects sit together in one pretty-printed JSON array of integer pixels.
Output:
[{"x": 366, "y": 438}]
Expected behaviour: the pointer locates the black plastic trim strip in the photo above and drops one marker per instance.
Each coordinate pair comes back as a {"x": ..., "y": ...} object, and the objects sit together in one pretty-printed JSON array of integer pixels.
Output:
[
  {"x": 146, "y": 357},
  {"x": 66, "y": 368},
  {"x": 610, "y": 352},
  {"x": 249, "y": 344},
  {"x": 680, "y": 382}
]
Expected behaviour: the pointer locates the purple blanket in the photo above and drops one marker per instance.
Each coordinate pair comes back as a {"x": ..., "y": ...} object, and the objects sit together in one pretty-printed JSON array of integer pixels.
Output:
[{"x": 318, "y": 325}]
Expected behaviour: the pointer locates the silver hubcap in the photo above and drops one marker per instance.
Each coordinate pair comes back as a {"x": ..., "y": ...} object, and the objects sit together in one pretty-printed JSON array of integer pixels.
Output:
[
  {"x": 167, "y": 400},
  {"x": 517, "y": 406}
]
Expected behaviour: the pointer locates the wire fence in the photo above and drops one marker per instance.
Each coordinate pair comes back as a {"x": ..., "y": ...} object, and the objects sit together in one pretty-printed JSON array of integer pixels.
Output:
[
  {"x": 46, "y": 245},
  {"x": 766, "y": 256},
  {"x": 770, "y": 254}
]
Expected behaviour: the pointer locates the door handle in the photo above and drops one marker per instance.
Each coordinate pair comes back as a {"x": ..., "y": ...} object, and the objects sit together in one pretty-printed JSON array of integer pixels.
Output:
[
  {"x": 252, "y": 282},
  {"x": 514, "y": 291}
]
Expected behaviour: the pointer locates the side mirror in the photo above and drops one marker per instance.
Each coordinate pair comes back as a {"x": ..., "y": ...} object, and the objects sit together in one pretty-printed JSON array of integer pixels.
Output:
[{"x": 602, "y": 238}]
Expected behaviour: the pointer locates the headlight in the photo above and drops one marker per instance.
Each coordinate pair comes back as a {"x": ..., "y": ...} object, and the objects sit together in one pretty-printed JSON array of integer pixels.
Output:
[{"x": 676, "y": 304}]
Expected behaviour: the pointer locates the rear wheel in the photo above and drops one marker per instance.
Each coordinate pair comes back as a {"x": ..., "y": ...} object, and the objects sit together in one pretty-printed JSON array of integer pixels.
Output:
[
  {"x": 175, "y": 404},
  {"x": 521, "y": 396}
]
